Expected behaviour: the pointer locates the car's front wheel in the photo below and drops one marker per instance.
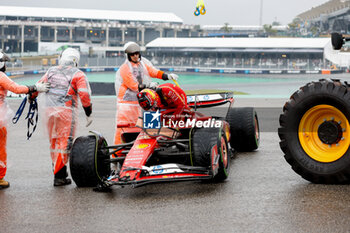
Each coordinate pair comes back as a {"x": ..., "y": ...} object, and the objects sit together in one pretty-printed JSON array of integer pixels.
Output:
[
  {"x": 210, "y": 149},
  {"x": 88, "y": 160}
]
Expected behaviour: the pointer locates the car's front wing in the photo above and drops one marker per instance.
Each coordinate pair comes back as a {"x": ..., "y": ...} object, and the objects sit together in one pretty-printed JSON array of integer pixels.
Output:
[{"x": 163, "y": 173}]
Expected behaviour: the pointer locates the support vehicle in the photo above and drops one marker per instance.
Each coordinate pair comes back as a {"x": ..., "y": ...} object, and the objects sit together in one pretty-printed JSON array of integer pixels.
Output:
[{"x": 315, "y": 131}]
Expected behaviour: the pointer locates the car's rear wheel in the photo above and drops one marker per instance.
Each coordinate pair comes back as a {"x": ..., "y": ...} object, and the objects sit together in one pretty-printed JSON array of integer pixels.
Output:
[
  {"x": 88, "y": 163},
  {"x": 210, "y": 149},
  {"x": 315, "y": 132},
  {"x": 244, "y": 128}
]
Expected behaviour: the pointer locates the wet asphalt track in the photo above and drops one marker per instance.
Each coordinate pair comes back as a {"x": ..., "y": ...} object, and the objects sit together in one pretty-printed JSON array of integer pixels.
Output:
[{"x": 262, "y": 193}]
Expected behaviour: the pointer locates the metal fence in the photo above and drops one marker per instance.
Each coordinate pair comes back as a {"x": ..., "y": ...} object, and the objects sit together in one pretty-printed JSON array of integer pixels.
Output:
[
  {"x": 177, "y": 62},
  {"x": 241, "y": 63},
  {"x": 101, "y": 61}
]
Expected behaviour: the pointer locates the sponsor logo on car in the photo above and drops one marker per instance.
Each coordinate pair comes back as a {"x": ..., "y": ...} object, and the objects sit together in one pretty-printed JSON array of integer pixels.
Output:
[
  {"x": 157, "y": 169},
  {"x": 190, "y": 98},
  {"x": 164, "y": 169},
  {"x": 133, "y": 159},
  {"x": 142, "y": 146}
]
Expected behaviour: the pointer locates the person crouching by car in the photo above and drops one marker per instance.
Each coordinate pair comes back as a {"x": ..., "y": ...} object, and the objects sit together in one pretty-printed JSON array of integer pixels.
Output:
[{"x": 7, "y": 84}]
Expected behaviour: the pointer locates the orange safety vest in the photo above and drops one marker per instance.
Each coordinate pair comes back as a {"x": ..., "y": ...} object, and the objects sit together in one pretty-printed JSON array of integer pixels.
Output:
[
  {"x": 7, "y": 84},
  {"x": 130, "y": 75}
]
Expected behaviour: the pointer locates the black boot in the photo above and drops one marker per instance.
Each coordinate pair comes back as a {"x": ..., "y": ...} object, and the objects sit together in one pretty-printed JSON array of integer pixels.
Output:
[{"x": 61, "y": 178}]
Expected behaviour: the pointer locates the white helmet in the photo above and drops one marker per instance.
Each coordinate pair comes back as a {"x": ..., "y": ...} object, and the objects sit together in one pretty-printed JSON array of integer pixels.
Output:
[
  {"x": 3, "y": 58},
  {"x": 70, "y": 56},
  {"x": 131, "y": 47}
]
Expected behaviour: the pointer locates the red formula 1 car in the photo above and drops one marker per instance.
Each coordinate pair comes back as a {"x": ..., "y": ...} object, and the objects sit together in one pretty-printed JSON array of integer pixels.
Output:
[{"x": 188, "y": 146}]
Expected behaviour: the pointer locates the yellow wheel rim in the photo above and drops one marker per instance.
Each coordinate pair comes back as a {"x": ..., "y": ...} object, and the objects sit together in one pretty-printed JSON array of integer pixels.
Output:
[{"x": 312, "y": 133}]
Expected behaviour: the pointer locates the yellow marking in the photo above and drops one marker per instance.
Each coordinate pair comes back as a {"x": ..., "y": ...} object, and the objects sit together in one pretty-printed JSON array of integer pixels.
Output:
[{"x": 142, "y": 146}]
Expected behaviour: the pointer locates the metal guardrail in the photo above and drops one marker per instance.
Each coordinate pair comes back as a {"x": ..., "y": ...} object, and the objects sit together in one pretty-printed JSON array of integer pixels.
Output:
[
  {"x": 36, "y": 62},
  {"x": 191, "y": 70}
]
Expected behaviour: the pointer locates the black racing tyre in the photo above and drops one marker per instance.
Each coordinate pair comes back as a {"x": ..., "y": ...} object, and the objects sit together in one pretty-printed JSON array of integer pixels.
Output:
[
  {"x": 88, "y": 164},
  {"x": 204, "y": 140},
  {"x": 244, "y": 128},
  {"x": 315, "y": 134}
]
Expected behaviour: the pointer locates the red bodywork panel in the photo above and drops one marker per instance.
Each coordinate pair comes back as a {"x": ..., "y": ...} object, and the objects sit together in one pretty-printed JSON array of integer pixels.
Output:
[{"x": 138, "y": 155}]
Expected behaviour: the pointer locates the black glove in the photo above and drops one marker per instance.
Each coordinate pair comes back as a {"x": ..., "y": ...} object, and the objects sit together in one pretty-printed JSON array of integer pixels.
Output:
[
  {"x": 88, "y": 110},
  {"x": 165, "y": 76},
  {"x": 31, "y": 89}
]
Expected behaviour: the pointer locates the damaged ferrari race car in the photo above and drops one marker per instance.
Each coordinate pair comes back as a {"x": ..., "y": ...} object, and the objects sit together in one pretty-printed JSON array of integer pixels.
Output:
[{"x": 198, "y": 149}]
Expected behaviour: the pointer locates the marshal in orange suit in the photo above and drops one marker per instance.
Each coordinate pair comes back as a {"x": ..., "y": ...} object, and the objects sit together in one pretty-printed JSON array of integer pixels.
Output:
[{"x": 7, "y": 84}]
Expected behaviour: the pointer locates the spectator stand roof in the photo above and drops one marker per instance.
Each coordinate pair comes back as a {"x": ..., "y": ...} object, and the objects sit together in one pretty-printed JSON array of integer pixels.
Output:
[
  {"x": 334, "y": 7},
  {"x": 232, "y": 27},
  {"x": 240, "y": 44},
  {"x": 164, "y": 17},
  {"x": 242, "y": 27}
]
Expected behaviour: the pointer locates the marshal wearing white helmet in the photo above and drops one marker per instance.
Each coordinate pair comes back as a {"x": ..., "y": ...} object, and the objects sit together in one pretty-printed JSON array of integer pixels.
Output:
[
  {"x": 70, "y": 57},
  {"x": 133, "y": 75},
  {"x": 61, "y": 109},
  {"x": 131, "y": 48}
]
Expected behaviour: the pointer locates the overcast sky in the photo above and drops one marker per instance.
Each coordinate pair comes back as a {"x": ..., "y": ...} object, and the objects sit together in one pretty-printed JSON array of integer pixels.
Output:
[{"x": 234, "y": 12}]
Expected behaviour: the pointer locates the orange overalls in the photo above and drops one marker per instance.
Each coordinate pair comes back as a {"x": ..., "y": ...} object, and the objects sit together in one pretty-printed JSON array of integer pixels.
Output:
[
  {"x": 128, "y": 77},
  {"x": 61, "y": 112},
  {"x": 5, "y": 113}
]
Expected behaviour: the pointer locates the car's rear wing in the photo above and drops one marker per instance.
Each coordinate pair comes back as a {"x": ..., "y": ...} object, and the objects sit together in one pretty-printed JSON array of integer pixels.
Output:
[{"x": 209, "y": 99}]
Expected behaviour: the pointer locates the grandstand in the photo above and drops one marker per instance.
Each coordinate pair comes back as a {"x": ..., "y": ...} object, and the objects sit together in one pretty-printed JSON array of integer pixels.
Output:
[
  {"x": 164, "y": 39},
  {"x": 240, "y": 53},
  {"x": 331, "y": 16},
  {"x": 239, "y": 30},
  {"x": 45, "y": 30}
]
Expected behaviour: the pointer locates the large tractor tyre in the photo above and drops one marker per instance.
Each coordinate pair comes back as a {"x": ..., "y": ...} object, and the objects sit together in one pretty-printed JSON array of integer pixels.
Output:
[
  {"x": 315, "y": 134},
  {"x": 244, "y": 128},
  {"x": 206, "y": 144},
  {"x": 88, "y": 163}
]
